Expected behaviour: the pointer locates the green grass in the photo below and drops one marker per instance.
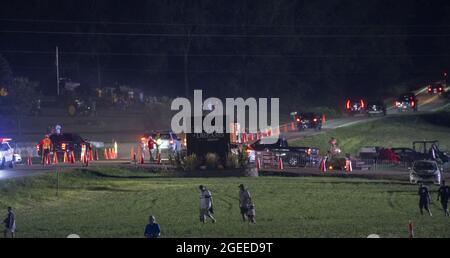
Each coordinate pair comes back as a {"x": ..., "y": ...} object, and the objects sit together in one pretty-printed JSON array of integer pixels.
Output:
[
  {"x": 117, "y": 203},
  {"x": 397, "y": 131}
]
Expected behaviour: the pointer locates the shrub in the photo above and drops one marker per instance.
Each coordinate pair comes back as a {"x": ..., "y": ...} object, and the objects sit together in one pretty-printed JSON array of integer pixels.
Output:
[
  {"x": 211, "y": 160},
  {"x": 191, "y": 162},
  {"x": 232, "y": 161}
]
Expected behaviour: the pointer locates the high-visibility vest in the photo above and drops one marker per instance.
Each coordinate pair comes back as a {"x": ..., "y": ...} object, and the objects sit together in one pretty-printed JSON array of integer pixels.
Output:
[{"x": 46, "y": 144}]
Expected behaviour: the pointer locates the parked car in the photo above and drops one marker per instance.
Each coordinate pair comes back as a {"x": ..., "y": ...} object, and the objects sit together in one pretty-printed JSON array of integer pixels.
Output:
[
  {"x": 6, "y": 154},
  {"x": 293, "y": 156},
  {"x": 426, "y": 171},
  {"x": 407, "y": 155}
]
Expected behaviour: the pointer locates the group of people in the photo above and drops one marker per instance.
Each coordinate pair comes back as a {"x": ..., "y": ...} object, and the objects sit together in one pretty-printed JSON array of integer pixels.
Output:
[
  {"x": 246, "y": 206},
  {"x": 425, "y": 198},
  {"x": 247, "y": 209}
]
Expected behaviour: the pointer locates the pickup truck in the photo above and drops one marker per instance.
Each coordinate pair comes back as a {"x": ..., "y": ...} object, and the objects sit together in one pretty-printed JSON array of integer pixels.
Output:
[{"x": 292, "y": 156}]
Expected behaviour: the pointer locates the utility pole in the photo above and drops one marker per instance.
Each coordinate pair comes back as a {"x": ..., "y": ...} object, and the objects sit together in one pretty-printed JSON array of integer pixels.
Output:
[{"x": 57, "y": 71}]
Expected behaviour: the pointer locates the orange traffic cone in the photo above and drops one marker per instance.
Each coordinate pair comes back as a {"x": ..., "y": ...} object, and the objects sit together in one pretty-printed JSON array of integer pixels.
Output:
[
  {"x": 133, "y": 155},
  {"x": 86, "y": 159},
  {"x": 72, "y": 157},
  {"x": 66, "y": 158},
  {"x": 106, "y": 154},
  {"x": 91, "y": 157},
  {"x": 292, "y": 126},
  {"x": 286, "y": 128},
  {"x": 30, "y": 161},
  {"x": 48, "y": 160},
  {"x": 277, "y": 131},
  {"x": 258, "y": 165},
  {"x": 348, "y": 166},
  {"x": 96, "y": 155},
  {"x": 280, "y": 163},
  {"x": 142, "y": 161},
  {"x": 55, "y": 158},
  {"x": 323, "y": 165}
]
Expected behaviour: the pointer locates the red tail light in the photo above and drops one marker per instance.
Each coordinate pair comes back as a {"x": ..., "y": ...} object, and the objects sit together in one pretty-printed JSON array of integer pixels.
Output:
[
  {"x": 441, "y": 89},
  {"x": 298, "y": 119},
  {"x": 315, "y": 119},
  {"x": 309, "y": 152},
  {"x": 363, "y": 105},
  {"x": 63, "y": 146},
  {"x": 171, "y": 142},
  {"x": 348, "y": 104},
  {"x": 413, "y": 103},
  {"x": 430, "y": 89},
  {"x": 38, "y": 147}
]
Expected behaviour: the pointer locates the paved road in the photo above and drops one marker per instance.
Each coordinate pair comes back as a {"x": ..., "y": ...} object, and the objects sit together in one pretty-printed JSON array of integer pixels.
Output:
[{"x": 427, "y": 103}]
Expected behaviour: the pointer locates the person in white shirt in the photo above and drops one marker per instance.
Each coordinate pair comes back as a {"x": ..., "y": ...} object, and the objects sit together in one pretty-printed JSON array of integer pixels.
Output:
[
  {"x": 206, "y": 205},
  {"x": 58, "y": 129}
]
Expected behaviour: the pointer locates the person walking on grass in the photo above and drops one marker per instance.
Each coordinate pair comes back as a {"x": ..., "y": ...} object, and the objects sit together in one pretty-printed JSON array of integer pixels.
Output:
[
  {"x": 10, "y": 224},
  {"x": 443, "y": 196},
  {"x": 152, "y": 230},
  {"x": 206, "y": 205},
  {"x": 251, "y": 213},
  {"x": 244, "y": 201},
  {"x": 424, "y": 199}
]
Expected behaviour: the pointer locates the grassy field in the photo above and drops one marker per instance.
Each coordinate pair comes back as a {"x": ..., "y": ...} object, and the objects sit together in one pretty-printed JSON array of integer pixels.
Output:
[
  {"x": 117, "y": 203},
  {"x": 396, "y": 131}
]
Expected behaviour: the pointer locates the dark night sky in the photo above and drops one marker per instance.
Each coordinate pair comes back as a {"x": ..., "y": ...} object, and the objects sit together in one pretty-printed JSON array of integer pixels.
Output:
[{"x": 236, "y": 47}]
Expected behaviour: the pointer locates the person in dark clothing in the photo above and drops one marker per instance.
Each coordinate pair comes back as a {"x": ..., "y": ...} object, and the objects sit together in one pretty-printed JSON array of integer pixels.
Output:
[
  {"x": 424, "y": 199},
  {"x": 443, "y": 196},
  {"x": 10, "y": 224},
  {"x": 152, "y": 230}
]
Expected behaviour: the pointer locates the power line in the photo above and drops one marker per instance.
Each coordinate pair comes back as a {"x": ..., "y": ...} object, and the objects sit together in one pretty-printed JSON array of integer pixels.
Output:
[
  {"x": 115, "y": 69},
  {"x": 221, "y": 55},
  {"x": 210, "y": 35},
  {"x": 220, "y": 25}
]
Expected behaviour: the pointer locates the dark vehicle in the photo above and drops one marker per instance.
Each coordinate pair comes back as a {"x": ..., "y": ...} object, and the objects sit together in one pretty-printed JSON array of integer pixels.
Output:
[
  {"x": 308, "y": 121},
  {"x": 407, "y": 102},
  {"x": 425, "y": 148},
  {"x": 81, "y": 107},
  {"x": 436, "y": 88},
  {"x": 356, "y": 106},
  {"x": 66, "y": 142},
  {"x": 293, "y": 156},
  {"x": 407, "y": 155},
  {"x": 376, "y": 108}
]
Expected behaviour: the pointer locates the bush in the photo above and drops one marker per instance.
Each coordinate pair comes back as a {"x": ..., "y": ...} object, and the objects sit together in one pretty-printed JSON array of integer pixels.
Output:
[
  {"x": 191, "y": 162},
  {"x": 211, "y": 160},
  {"x": 232, "y": 161}
]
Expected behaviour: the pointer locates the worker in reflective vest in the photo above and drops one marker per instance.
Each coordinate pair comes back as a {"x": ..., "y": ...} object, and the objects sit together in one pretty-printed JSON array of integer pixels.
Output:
[{"x": 46, "y": 147}]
